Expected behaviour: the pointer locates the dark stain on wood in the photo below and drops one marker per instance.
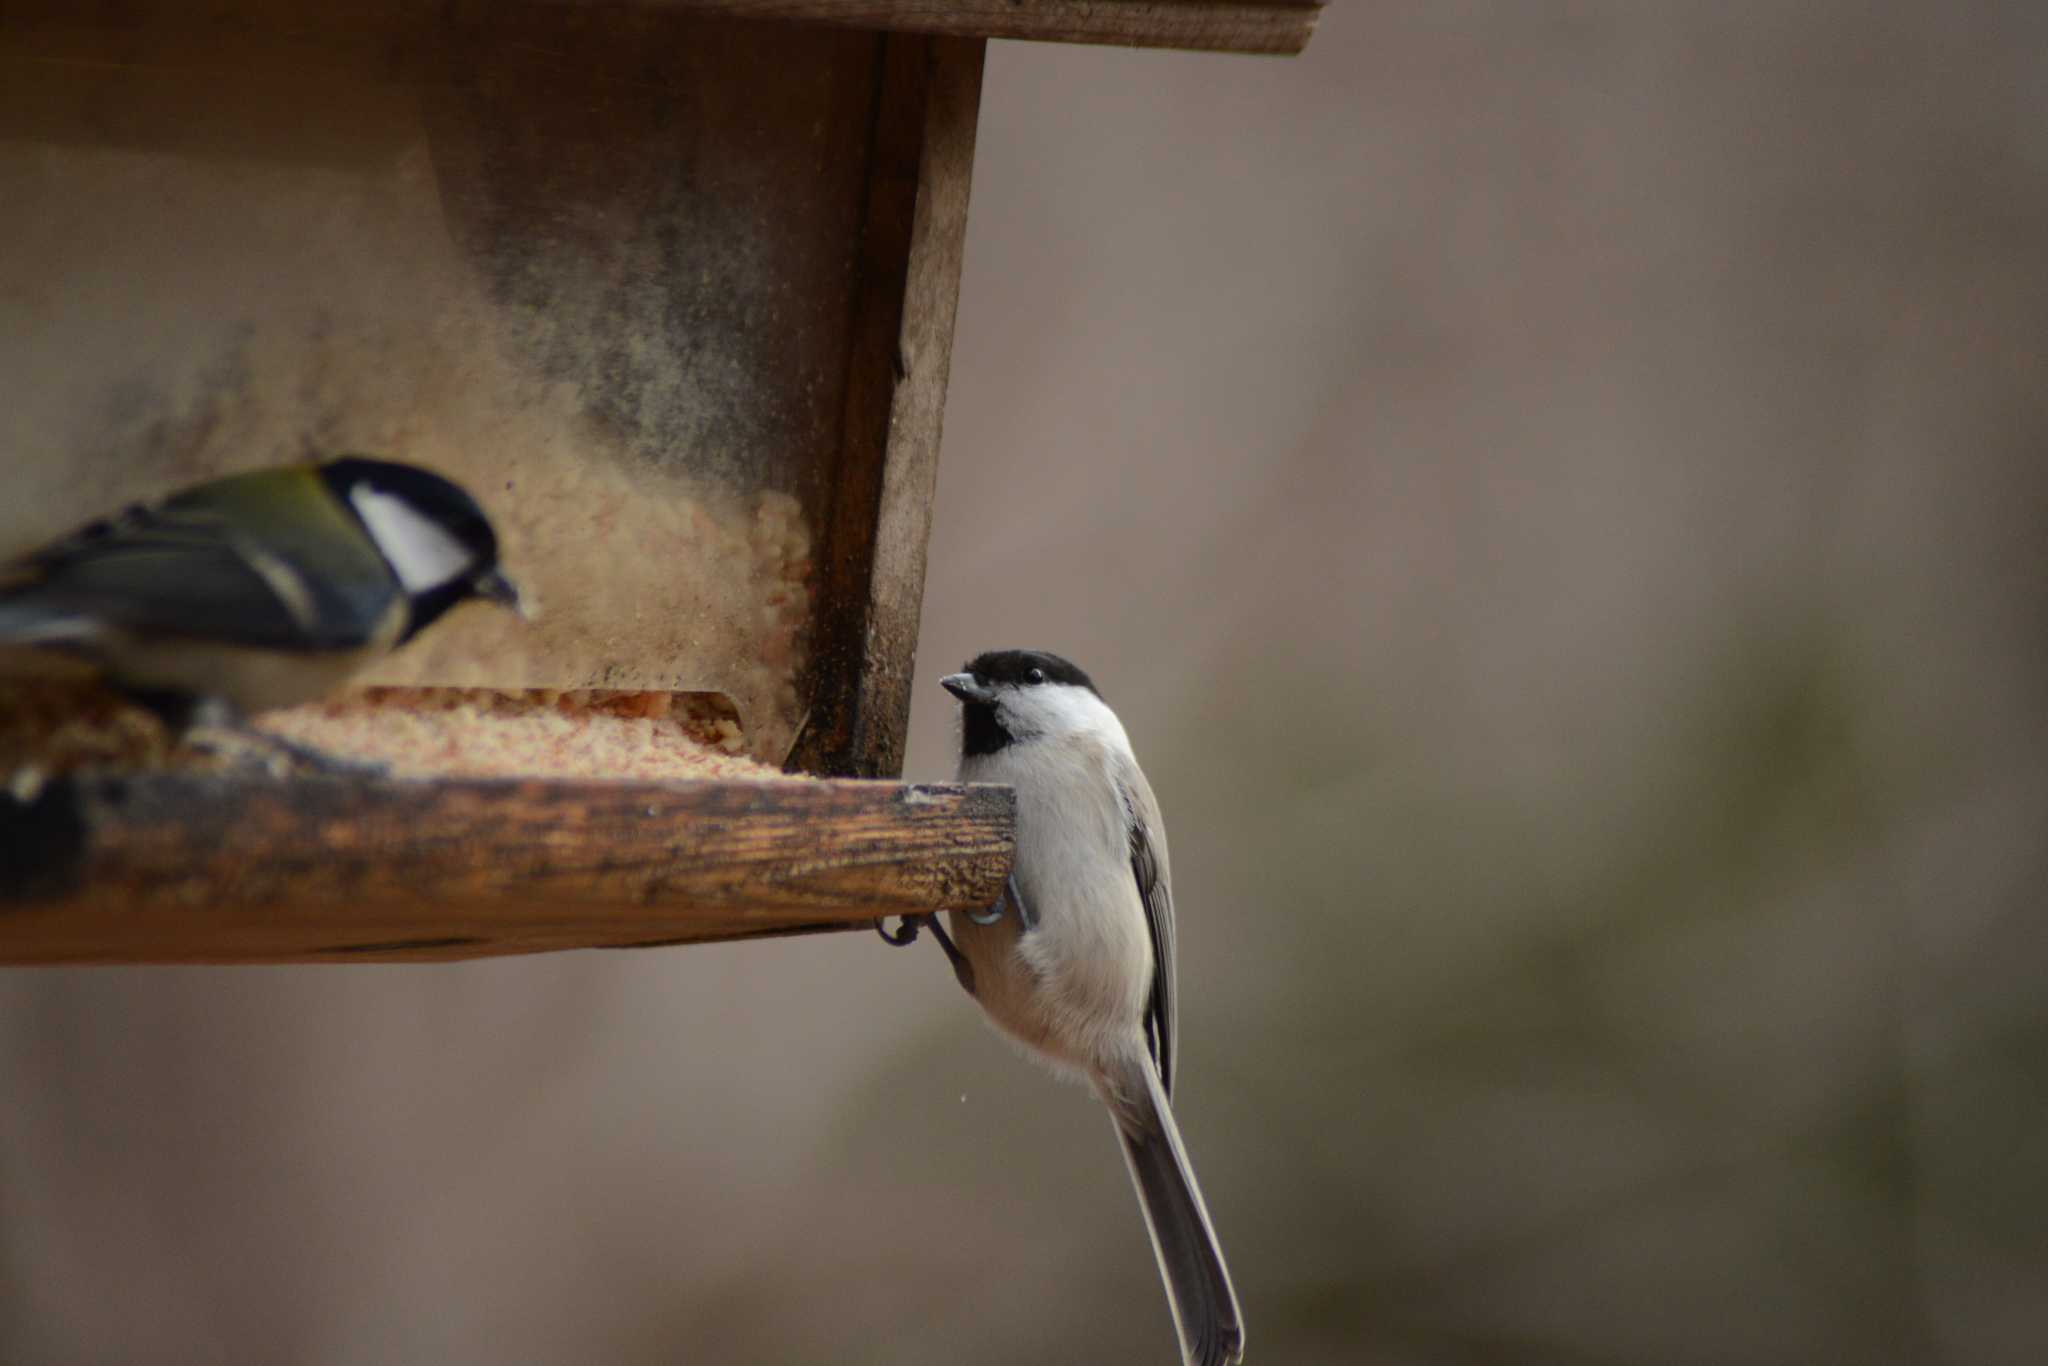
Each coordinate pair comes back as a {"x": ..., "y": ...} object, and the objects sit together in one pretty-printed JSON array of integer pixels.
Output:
[
  {"x": 404, "y": 946},
  {"x": 42, "y": 841}
]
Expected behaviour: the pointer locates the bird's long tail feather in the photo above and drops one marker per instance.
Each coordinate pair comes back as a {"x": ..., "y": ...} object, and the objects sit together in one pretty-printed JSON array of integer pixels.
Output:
[{"x": 1198, "y": 1288}]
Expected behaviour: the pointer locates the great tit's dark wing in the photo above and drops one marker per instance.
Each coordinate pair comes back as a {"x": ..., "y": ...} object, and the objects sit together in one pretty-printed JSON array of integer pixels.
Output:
[
  {"x": 1147, "y": 834},
  {"x": 266, "y": 560}
]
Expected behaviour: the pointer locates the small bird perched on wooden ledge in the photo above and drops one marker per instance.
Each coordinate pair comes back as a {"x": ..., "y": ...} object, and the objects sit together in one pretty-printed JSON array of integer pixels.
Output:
[
  {"x": 253, "y": 591},
  {"x": 1077, "y": 961}
]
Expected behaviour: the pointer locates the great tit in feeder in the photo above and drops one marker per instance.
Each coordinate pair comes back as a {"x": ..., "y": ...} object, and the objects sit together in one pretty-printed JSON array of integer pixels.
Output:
[
  {"x": 253, "y": 591},
  {"x": 1076, "y": 961}
]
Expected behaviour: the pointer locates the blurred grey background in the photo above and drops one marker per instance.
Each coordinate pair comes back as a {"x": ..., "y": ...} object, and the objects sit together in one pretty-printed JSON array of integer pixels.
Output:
[{"x": 1558, "y": 495}]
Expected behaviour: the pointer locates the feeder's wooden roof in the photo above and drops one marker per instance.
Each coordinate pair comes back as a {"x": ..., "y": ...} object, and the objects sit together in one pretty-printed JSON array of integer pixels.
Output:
[{"x": 1273, "y": 26}]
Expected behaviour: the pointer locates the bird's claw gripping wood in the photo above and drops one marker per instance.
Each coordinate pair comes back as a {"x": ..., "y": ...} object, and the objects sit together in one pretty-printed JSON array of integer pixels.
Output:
[
  {"x": 994, "y": 913},
  {"x": 906, "y": 933}
]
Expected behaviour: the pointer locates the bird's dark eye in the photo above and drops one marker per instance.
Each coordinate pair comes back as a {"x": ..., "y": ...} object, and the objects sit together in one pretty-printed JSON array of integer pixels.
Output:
[{"x": 1035, "y": 676}]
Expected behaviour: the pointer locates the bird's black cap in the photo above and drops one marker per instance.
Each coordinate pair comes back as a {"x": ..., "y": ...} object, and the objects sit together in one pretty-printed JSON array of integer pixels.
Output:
[
  {"x": 447, "y": 502},
  {"x": 1017, "y": 667},
  {"x": 451, "y": 508}
]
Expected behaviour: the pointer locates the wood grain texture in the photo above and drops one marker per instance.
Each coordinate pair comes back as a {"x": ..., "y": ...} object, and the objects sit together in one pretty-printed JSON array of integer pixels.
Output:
[
  {"x": 917, "y": 405},
  {"x": 1282, "y": 27},
  {"x": 191, "y": 868},
  {"x": 913, "y": 231}
]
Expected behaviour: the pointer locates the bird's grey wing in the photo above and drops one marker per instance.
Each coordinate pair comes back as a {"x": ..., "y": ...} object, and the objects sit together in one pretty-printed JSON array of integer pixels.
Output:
[
  {"x": 171, "y": 572},
  {"x": 1149, "y": 866}
]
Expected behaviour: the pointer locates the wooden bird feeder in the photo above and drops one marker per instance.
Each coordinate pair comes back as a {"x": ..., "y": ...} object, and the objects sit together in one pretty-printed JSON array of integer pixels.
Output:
[{"x": 669, "y": 286}]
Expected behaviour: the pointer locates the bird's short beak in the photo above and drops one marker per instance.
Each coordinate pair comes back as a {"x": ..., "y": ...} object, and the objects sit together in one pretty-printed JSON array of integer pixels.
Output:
[
  {"x": 967, "y": 688},
  {"x": 495, "y": 587}
]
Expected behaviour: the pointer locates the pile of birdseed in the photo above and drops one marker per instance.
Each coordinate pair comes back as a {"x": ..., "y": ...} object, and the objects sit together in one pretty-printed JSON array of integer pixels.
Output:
[{"x": 410, "y": 732}]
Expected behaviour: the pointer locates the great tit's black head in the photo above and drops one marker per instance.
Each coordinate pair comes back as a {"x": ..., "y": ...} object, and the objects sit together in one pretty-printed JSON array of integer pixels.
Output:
[
  {"x": 430, "y": 531},
  {"x": 1012, "y": 695}
]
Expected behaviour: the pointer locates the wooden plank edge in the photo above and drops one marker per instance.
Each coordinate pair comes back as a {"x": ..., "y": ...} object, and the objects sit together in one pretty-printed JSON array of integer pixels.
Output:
[
  {"x": 191, "y": 868},
  {"x": 907, "y": 266},
  {"x": 922, "y": 366},
  {"x": 1282, "y": 28}
]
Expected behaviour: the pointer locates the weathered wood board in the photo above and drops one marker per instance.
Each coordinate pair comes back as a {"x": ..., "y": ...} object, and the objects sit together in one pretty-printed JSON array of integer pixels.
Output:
[
  {"x": 168, "y": 867},
  {"x": 1276, "y": 26}
]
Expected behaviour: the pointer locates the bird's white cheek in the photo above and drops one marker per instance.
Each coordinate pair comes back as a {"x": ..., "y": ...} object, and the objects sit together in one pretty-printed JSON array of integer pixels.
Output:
[{"x": 422, "y": 552}]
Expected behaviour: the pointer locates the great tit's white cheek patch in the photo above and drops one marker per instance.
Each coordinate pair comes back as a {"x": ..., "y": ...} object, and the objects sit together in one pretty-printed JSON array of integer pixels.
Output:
[{"x": 423, "y": 553}]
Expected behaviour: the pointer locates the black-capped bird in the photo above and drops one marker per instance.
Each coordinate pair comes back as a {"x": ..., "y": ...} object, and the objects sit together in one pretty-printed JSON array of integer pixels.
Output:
[
  {"x": 253, "y": 591},
  {"x": 1080, "y": 966}
]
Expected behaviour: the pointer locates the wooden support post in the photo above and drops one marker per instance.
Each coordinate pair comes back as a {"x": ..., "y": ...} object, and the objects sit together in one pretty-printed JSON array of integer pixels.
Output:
[{"x": 907, "y": 283}]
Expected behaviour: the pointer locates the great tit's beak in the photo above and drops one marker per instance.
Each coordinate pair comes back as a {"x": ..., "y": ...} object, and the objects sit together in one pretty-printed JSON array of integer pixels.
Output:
[
  {"x": 968, "y": 688},
  {"x": 495, "y": 587}
]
